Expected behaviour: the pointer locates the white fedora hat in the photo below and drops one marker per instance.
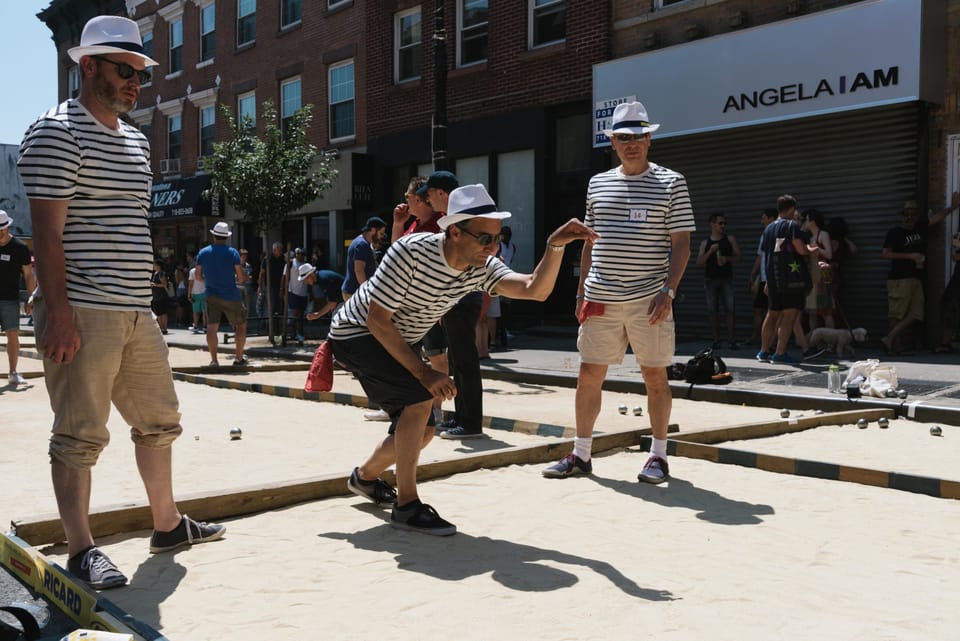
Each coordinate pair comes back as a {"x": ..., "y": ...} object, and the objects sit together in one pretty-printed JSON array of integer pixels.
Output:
[
  {"x": 221, "y": 230},
  {"x": 469, "y": 202},
  {"x": 630, "y": 118},
  {"x": 305, "y": 270},
  {"x": 5, "y": 220},
  {"x": 110, "y": 34}
]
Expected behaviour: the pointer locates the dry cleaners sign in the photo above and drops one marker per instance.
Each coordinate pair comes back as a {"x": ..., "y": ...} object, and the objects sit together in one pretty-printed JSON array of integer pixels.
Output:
[{"x": 862, "y": 55}]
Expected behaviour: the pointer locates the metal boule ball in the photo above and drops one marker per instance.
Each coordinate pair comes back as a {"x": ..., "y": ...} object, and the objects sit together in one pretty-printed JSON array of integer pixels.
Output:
[
  {"x": 883, "y": 422},
  {"x": 862, "y": 423},
  {"x": 638, "y": 411},
  {"x": 901, "y": 393},
  {"x": 936, "y": 431},
  {"x": 818, "y": 412},
  {"x": 784, "y": 413},
  {"x": 890, "y": 393},
  {"x": 235, "y": 433},
  {"x": 623, "y": 409}
]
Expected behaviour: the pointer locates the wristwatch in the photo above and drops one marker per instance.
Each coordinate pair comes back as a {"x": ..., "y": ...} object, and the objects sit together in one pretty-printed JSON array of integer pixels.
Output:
[{"x": 669, "y": 292}]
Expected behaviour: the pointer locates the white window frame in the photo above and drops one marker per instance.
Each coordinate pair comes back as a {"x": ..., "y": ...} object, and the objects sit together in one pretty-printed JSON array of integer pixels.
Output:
[
  {"x": 333, "y": 4},
  {"x": 172, "y": 13},
  {"x": 209, "y": 6},
  {"x": 460, "y": 28},
  {"x": 176, "y": 27},
  {"x": 211, "y": 112},
  {"x": 331, "y": 102},
  {"x": 73, "y": 82},
  {"x": 532, "y": 10},
  {"x": 245, "y": 15},
  {"x": 398, "y": 46},
  {"x": 178, "y": 118},
  {"x": 287, "y": 25},
  {"x": 666, "y": 4}
]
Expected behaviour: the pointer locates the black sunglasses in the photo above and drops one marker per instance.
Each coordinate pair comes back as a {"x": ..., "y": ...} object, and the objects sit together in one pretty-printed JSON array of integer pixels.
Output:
[
  {"x": 126, "y": 72},
  {"x": 629, "y": 137},
  {"x": 483, "y": 238}
]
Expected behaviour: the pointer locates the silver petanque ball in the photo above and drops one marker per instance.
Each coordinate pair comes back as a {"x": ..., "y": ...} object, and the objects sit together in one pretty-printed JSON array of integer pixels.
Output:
[
  {"x": 622, "y": 409},
  {"x": 862, "y": 423},
  {"x": 883, "y": 422},
  {"x": 784, "y": 413},
  {"x": 638, "y": 411},
  {"x": 936, "y": 431},
  {"x": 890, "y": 393},
  {"x": 235, "y": 433},
  {"x": 901, "y": 393}
]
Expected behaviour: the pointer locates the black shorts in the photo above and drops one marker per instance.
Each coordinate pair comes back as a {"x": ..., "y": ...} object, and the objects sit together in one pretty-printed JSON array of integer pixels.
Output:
[
  {"x": 790, "y": 300},
  {"x": 385, "y": 381},
  {"x": 435, "y": 342},
  {"x": 160, "y": 306},
  {"x": 760, "y": 299},
  {"x": 296, "y": 302}
]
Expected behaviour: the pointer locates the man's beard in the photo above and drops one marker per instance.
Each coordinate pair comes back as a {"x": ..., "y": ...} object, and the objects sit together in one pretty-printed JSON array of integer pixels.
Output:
[{"x": 109, "y": 96}]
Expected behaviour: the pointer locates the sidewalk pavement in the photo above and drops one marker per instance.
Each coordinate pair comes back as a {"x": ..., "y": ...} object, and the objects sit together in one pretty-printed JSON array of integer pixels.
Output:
[{"x": 547, "y": 355}]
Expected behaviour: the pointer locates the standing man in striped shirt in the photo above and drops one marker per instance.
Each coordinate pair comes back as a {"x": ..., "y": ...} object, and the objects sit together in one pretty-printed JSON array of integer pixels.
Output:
[
  {"x": 421, "y": 277},
  {"x": 87, "y": 175},
  {"x": 628, "y": 281}
]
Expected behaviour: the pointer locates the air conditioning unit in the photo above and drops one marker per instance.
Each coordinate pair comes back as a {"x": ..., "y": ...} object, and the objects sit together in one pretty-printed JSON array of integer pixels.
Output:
[
  {"x": 170, "y": 166},
  {"x": 201, "y": 160}
]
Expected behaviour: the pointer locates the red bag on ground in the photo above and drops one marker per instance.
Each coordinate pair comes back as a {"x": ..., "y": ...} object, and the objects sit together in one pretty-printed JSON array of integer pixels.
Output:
[{"x": 320, "y": 376}]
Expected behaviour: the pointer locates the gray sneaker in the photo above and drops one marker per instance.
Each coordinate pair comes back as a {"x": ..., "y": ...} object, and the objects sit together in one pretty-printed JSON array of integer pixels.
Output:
[
  {"x": 460, "y": 432},
  {"x": 188, "y": 533},
  {"x": 378, "y": 490},
  {"x": 95, "y": 568},
  {"x": 569, "y": 465},
  {"x": 655, "y": 470}
]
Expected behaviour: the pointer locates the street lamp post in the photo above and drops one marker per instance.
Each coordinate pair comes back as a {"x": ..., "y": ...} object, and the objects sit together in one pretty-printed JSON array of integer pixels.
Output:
[{"x": 439, "y": 143}]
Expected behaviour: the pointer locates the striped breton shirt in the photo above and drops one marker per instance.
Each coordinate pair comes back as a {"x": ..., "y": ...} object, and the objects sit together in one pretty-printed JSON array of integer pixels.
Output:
[
  {"x": 634, "y": 216},
  {"x": 105, "y": 175},
  {"x": 416, "y": 283}
]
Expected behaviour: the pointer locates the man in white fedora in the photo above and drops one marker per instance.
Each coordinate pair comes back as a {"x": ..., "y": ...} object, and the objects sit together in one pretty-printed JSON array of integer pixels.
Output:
[
  {"x": 16, "y": 262},
  {"x": 219, "y": 265},
  {"x": 374, "y": 333},
  {"x": 87, "y": 175},
  {"x": 628, "y": 281}
]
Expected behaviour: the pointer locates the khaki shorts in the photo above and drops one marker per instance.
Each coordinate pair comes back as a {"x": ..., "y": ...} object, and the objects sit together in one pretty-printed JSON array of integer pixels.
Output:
[
  {"x": 234, "y": 310},
  {"x": 122, "y": 359},
  {"x": 603, "y": 339},
  {"x": 905, "y": 299}
]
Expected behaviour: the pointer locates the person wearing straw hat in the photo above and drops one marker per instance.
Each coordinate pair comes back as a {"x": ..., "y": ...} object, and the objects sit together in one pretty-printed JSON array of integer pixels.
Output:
[
  {"x": 15, "y": 263},
  {"x": 627, "y": 284},
  {"x": 219, "y": 265},
  {"x": 87, "y": 176},
  {"x": 374, "y": 333}
]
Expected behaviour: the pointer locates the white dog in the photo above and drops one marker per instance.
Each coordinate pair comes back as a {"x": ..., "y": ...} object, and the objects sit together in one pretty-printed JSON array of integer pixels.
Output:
[{"x": 837, "y": 339}]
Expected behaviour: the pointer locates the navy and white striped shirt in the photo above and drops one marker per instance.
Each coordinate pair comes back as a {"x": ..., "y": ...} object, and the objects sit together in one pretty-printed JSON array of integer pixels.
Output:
[
  {"x": 634, "y": 216},
  {"x": 416, "y": 283},
  {"x": 67, "y": 154}
]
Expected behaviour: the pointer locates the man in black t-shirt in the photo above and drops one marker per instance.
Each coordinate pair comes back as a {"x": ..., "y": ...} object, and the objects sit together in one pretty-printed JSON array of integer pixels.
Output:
[
  {"x": 15, "y": 261},
  {"x": 905, "y": 246}
]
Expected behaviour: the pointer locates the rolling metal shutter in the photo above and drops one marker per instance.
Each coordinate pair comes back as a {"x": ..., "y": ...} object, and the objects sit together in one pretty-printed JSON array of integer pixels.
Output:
[{"x": 859, "y": 165}]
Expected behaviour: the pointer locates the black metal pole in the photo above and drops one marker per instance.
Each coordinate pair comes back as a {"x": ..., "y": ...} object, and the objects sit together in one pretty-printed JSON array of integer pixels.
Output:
[{"x": 440, "y": 161}]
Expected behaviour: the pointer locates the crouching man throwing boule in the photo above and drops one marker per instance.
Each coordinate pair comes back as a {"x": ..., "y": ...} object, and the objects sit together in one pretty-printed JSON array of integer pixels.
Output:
[{"x": 373, "y": 334}]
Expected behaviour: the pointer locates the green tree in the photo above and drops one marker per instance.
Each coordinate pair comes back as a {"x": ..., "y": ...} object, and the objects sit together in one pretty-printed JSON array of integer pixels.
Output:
[{"x": 267, "y": 178}]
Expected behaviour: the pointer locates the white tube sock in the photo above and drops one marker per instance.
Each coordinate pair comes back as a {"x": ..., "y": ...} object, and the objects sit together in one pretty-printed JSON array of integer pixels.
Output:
[
  {"x": 582, "y": 447},
  {"x": 659, "y": 448}
]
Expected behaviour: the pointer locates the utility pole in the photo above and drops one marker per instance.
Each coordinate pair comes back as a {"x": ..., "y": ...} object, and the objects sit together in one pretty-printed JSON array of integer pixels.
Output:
[{"x": 440, "y": 160}]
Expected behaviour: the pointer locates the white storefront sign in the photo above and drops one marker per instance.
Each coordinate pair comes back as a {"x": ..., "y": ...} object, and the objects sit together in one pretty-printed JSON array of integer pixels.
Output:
[{"x": 867, "y": 54}]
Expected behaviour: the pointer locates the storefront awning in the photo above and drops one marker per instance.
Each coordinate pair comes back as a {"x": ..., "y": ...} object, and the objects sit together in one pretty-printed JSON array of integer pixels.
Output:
[{"x": 183, "y": 197}]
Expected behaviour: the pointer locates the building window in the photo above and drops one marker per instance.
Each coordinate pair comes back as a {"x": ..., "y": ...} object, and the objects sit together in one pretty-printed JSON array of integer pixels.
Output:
[
  {"x": 333, "y": 4},
  {"x": 471, "y": 31},
  {"x": 246, "y": 21},
  {"x": 247, "y": 110},
  {"x": 207, "y": 32},
  {"x": 207, "y": 130},
  {"x": 548, "y": 22},
  {"x": 289, "y": 12},
  {"x": 408, "y": 48},
  {"x": 147, "y": 130},
  {"x": 289, "y": 102},
  {"x": 660, "y": 4},
  {"x": 341, "y": 101},
  {"x": 73, "y": 82},
  {"x": 173, "y": 137},
  {"x": 148, "y": 43},
  {"x": 176, "y": 46}
]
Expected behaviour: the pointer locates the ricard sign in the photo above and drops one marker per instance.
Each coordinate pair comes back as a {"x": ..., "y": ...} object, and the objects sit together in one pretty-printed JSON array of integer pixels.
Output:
[{"x": 871, "y": 53}]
